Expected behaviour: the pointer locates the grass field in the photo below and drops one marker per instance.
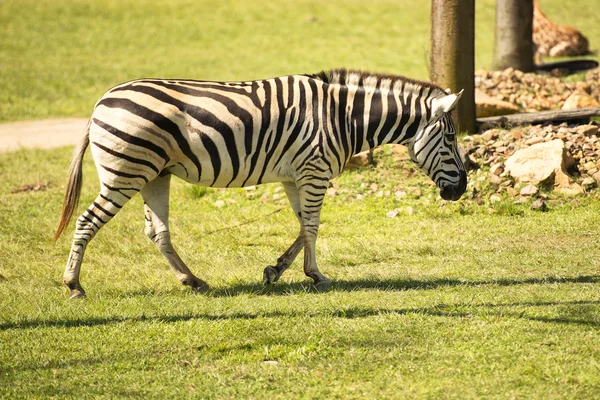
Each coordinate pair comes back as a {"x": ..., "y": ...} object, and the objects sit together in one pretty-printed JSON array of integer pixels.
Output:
[{"x": 452, "y": 300}]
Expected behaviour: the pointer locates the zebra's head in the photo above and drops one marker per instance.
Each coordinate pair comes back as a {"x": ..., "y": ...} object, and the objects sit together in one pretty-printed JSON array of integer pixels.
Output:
[{"x": 435, "y": 151}]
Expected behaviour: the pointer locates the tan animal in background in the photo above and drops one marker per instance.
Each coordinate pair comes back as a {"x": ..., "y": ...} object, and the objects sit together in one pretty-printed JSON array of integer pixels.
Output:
[{"x": 556, "y": 40}]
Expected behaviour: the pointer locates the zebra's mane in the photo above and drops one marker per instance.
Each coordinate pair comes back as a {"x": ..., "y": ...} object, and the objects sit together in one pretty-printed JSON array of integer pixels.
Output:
[{"x": 373, "y": 80}]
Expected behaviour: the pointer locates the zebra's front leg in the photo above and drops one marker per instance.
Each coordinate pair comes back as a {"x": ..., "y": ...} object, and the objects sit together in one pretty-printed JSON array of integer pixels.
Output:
[
  {"x": 312, "y": 193},
  {"x": 271, "y": 273},
  {"x": 156, "y": 213}
]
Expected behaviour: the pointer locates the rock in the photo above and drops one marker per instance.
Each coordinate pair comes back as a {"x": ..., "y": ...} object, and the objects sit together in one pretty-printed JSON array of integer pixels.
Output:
[
  {"x": 497, "y": 169},
  {"x": 495, "y": 179},
  {"x": 481, "y": 150},
  {"x": 495, "y": 198},
  {"x": 542, "y": 163},
  {"x": 358, "y": 160},
  {"x": 529, "y": 190},
  {"x": 596, "y": 176},
  {"x": 512, "y": 192},
  {"x": 399, "y": 194},
  {"x": 579, "y": 99},
  {"x": 589, "y": 165},
  {"x": 487, "y": 106},
  {"x": 393, "y": 214},
  {"x": 534, "y": 140},
  {"x": 572, "y": 190},
  {"x": 416, "y": 192},
  {"x": 588, "y": 182},
  {"x": 488, "y": 135},
  {"x": 219, "y": 203},
  {"x": 539, "y": 205},
  {"x": 469, "y": 164},
  {"x": 410, "y": 210},
  {"x": 588, "y": 130}
]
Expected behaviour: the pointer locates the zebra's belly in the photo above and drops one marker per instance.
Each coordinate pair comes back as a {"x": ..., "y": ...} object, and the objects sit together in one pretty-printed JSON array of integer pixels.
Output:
[{"x": 248, "y": 174}]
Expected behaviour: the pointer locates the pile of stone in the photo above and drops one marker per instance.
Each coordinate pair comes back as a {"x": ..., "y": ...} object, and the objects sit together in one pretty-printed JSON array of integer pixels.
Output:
[
  {"x": 536, "y": 92},
  {"x": 569, "y": 157}
]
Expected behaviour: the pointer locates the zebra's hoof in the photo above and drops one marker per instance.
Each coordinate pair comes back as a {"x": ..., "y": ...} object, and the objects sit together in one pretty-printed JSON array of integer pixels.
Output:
[
  {"x": 77, "y": 294},
  {"x": 323, "y": 285},
  {"x": 77, "y": 291},
  {"x": 197, "y": 285},
  {"x": 270, "y": 275}
]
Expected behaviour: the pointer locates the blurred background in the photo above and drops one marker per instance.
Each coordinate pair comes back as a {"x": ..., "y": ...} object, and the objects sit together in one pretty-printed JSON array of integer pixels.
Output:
[{"x": 58, "y": 57}]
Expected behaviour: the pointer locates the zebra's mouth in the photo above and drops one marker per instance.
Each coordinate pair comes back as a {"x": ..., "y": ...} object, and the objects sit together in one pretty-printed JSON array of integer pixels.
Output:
[{"x": 454, "y": 191}]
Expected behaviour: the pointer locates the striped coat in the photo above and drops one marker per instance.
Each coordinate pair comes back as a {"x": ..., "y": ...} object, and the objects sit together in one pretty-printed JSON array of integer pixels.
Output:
[{"x": 299, "y": 130}]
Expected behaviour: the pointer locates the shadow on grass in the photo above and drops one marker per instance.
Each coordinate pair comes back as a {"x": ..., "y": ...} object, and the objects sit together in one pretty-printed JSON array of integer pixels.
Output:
[
  {"x": 581, "y": 312},
  {"x": 282, "y": 288}
]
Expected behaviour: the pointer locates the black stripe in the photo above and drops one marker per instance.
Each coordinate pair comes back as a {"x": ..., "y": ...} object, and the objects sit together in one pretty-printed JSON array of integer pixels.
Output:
[
  {"x": 405, "y": 110},
  {"x": 126, "y": 157},
  {"x": 124, "y": 174},
  {"x": 278, "y": 134},
  {"x": 434, "y": 148},
  {"x": 213, "y": 152},
  {"x": 328, "y": 110},
  {"x": 265, "y": 125},
  {"x": 132, "y": 139},
  {"x": 157, "y": 119},
  {"x": 412, "y": 129},
  {"x": 295, "y": 133},
  {"x": 111, "y": 201},
  {"x": 95, "y": 216},
  {"x": 118, "y": 189},
  {"x": 324, "y": 187},
  {"x": 305, "y": 145},
  {"x": 358, "y": 116},
  {"x": 391, "y": 118},
  {"x": 234, "y": 109},
  {"x": 99, "y": 207},
  {"x": 345, "y": 130},
  {"x": 375, "y": 117}
]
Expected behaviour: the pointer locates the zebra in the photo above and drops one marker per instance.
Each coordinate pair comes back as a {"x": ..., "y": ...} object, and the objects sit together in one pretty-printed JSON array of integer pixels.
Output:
[{"x": 299, "y": 130}]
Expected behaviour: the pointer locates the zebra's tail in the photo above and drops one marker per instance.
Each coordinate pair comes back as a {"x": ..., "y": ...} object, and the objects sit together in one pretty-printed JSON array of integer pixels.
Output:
[{"x": 74, "y": 184}]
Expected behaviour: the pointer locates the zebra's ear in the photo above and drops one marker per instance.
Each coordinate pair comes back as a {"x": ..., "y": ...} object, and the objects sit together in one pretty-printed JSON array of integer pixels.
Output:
[{"x": 446, "y": 104}]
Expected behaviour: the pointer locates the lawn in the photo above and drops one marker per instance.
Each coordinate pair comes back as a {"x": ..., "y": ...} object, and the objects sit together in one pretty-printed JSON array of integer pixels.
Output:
[
  {"x": 454, "y": 300},
  {"x": 470, "y": 299}
]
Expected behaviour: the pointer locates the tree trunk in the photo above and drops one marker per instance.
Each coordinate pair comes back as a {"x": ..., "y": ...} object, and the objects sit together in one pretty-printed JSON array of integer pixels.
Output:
[
  {"x": 514, "y": 42},
  {"x": 453, "y": 55}
]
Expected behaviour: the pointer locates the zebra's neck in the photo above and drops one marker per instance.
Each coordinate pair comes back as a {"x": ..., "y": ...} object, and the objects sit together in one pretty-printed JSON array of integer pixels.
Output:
[{"x": 372, "y": 110}]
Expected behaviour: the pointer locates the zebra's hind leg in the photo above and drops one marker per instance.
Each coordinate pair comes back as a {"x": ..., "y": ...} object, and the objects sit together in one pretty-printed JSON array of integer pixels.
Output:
[
  {"x": 156, "y": 213},
  {"x": 271, "y": 273},
  {"x": 102, "y": 210}
]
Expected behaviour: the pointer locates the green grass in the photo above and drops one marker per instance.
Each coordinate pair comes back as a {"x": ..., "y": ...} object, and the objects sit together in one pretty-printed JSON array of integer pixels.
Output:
[
  {"x": 58, "y": 58},
  {"x": 457, "y": 300},
  {"x": 454, "y": 300}
]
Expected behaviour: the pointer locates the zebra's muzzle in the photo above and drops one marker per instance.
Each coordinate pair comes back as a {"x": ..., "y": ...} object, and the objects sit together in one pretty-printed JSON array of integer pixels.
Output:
[{"x": 453, "y": 192}]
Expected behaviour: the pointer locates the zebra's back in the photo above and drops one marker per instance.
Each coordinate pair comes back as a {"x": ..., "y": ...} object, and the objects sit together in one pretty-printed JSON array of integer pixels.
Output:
[{"x": 212, "y": 133}]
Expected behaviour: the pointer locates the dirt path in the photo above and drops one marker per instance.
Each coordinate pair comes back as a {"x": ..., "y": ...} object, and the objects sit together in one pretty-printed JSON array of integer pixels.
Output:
[{"x": 43, "y": 134}]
